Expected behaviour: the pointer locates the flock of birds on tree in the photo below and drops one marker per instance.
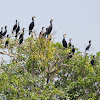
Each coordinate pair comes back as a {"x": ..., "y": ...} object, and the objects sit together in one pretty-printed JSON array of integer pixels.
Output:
[{"x": 16, "y": 29}]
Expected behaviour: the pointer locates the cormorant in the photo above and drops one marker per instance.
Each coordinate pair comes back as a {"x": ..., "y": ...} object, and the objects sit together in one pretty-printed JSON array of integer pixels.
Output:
[
  {"x": 1, "y": 32},
  {"x": 7, "y": 41},
  {"x": 21, "y": 40},
  {"x": 64, "y": 41},
  {"x": 31, "y": 26},
  {"x": 87, "y": 48},
  {"x": 17, "y": 30},
  {"x": 14, "y": 27},
  {"x": 4, "y": 33},
  {"x": 93, "y": 60},
  {"x": 21, "y": 37},
  {"x": 73, "y": 50},
  {"x": 41, "y": 35},
  {"x": 69, "y": 44},
  {"x": 49, "y": 29}
]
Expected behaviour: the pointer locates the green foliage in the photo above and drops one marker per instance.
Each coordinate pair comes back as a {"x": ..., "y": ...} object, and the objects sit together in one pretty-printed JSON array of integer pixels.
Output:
[{"x": 42, "y": 70}]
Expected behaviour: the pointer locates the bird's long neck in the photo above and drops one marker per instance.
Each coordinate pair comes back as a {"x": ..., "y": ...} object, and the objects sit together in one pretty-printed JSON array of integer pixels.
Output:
[
  {"x": 51, "y": 24},
  {"x": 90, "y": 43},
  {"x": 70, "y": 41},
  {"x": 16, "y": 22},
  {"x": 43, "y": 30},
  {"x": 1, "y": 29},
  {"x": 64, "y": 37},
  {"x": 5, "y": 28},
  {"x": 32, "y": 20}
]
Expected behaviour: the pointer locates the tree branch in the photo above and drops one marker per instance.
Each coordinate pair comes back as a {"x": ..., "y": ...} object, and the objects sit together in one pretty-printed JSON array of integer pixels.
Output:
[
  {"x": 9, "y": 54},
  {"x": 60, "y": 65}
]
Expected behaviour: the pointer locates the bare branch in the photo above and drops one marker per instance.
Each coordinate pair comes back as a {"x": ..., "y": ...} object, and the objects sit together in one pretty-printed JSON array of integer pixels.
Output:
[{"x": 9, "y": 54}]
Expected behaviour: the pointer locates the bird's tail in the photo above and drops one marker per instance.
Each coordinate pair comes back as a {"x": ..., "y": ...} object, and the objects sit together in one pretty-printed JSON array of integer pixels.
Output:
[
  {"x": 29, "y": 33},
  {"x": 12, "y": 31},
  {"x": 16, "y": 35},
  {"x": 5, "y": 46}
]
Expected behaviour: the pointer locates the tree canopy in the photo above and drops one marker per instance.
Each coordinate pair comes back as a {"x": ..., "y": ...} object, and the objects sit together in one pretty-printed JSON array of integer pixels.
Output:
[{"x": 40, "y": 69}]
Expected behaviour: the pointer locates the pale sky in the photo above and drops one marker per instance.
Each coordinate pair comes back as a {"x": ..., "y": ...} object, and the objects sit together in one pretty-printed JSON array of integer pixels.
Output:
[{"x": 79, "y": 19}]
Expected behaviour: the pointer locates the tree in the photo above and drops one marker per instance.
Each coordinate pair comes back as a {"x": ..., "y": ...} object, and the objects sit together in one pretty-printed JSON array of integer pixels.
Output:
[{"x": 40, "y": 69}]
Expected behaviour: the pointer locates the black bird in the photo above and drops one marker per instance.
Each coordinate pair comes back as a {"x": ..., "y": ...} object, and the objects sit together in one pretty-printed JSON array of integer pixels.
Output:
[
  {"x": 21, "y": 40},
  {"x": 93, "y": 61},
  {"x": 73, "y": 50},
  {"x": 14, "y": 27},
  {"x": 21, "y": 37},
  {"x": 87, "y": 48},
  {"x": 22, "y": 34},
  {"x": 4, "y": 33},
  {"x": 69, "y": 55},
  {"x": 31, "y": 26},
  {"x": 17, "y": 30},
  {"x": 69, "y": 44},
  {"x": 41, "y": 35},
  {"x": 49, "y": 29},
  {"x": 1, "y": 32},
  {"x": 7, "y": 41},
  {"x": 64, "y": 41}
]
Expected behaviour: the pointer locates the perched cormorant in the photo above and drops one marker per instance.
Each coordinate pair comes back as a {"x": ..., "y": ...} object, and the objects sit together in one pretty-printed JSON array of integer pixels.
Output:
[
  {"x": 17, "y": 30},
  {"x": 41, "y": 35},
  {"x": 4, "y": 33},
  {"x": 1, "y": 32},
  {"x": 21, "y": 40},
  {"x": 87, "y": 48},
  {"x": 64, "y": 41},
  {"x": 69, "y": 44},
  {"x": 7, "y": 41},
  {"x": 73, "y": 50},
  {"x": 21, "y": 37},
  {"x": 93, "y": 61},
  {"x": 31, "y": 26},
  {"x": 49, "y": 29},
  {"x": 14, "y": 27}
]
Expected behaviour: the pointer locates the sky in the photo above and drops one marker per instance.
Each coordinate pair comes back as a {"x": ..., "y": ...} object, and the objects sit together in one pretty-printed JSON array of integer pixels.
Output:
[{"x": 78, "y": 19}]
